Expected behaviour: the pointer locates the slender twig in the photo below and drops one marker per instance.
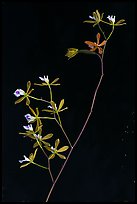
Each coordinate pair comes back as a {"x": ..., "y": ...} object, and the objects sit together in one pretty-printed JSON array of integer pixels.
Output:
[
  {"x": 38, "y": 99},
  {"x": 48, "y": 160},
  {"x": 91, "y": 109},
  {"x": 63, "y": 131}
]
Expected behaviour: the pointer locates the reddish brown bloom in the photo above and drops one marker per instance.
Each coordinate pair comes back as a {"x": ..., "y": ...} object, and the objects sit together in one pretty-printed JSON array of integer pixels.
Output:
[{"x": 96, "y": 45}]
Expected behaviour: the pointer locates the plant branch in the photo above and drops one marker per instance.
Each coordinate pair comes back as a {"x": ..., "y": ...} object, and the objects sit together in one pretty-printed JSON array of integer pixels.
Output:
[{"x": 83, "y": 128}]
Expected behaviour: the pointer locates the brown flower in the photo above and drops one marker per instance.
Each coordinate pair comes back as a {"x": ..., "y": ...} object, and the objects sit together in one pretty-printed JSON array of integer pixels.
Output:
[{"x": 96, "y": 45}]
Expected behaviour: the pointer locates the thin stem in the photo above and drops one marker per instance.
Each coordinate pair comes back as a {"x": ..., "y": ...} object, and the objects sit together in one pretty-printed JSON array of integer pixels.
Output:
[
  {"x": 63, "y": 131},
  {"x": 101, "y": 31},
  {"x": 48, "y": 160},
  {"x": 46, "y": 118},
  {"x": 91, "y": 109},
  {"x": 38, "y": 99},
  {"x": 110, "y": 33},
  {"x": 50, "y": 92},
  {"x": 39, "y": 165},
  {"x": 53, "y": 185}
]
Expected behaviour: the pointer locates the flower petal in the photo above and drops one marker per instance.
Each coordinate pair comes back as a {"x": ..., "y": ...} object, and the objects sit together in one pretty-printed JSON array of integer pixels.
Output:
[
  {"x": 61, "y": 156},
  {"x": 98, "y": 38},
  {"x": 62, "y": 149},
  {"x": 57, "y": 143},
  {"x": 51, "y": 156}
]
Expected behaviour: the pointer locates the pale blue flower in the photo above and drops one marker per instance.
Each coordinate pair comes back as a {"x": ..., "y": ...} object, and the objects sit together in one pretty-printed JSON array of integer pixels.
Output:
[
  {"x": 45, "y": 79},
  {"x": 111, "y": 19},
  {"x": 19, "y": 92},
  {"x": 29, "y": 118},
  {"x": 25, "y": 159},
  {"x": 28, "y": 127}
]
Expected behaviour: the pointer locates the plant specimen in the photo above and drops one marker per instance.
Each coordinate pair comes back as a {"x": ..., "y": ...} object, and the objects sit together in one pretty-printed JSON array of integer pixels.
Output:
[{"x": 35, "y": 128}]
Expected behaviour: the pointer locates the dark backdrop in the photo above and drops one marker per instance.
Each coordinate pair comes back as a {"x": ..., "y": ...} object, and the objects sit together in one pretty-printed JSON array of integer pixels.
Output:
[{"x": 35, "y": 38}]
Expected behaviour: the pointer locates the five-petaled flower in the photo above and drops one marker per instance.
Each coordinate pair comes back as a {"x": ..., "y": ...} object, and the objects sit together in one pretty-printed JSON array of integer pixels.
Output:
[
  {"x": 96, "y": 45},
  {"x": 28, "y": 160},
  {"x": 95, "y": 19},
  {"x": 111, "y": 19},
  {"x": 20, "y": 92},
  {"x": 42, "y": 139},
  {"x": 46, "y": 81},
  {"x": 56, "y": 151},
  {"x": 71, "y": 52},
  {"x": 30, "y": 118},
  {"x": 28, "y": 127},
  {"x": 54, "y": 108}
]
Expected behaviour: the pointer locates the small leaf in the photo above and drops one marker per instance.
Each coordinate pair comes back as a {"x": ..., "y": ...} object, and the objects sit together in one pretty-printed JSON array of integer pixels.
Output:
[
  {"x": 51, "y": 156},
  {"x": 19, "y": 100},
  {"x": 35, "y": 145},
  {"x": 120, "y": 21},
  {"x": 61, "y": 156},
  {"x": 62, "y": 149},
  {"x": 47, "y": 136},
  {"x": 37, "y": 111},
  {"x": 27, "y": 101},
  {"x": 88, "y": 21},
  {"x": 55, "y": 80},
  {"x": 53, "y": 104},
  {"x": 32, "y": 111},
  {"x": 35, "y": 153},
  {"x": 31, "y": 157},
  {"x": 48, "y": 148},
  {"x": 50, "y": 111},
  {"x": 57, "y": 143},
  {"x": 30, "y": 91},
  {"x": 46, "y": 143},
  {"x": 61, "y": 104},
  {"x": 24, "y": 165},
  {"x": 28, "y": 86}
]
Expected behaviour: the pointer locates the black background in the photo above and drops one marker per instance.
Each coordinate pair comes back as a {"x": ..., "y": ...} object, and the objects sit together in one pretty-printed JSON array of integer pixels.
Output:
[{"x": 35, "y": 39}]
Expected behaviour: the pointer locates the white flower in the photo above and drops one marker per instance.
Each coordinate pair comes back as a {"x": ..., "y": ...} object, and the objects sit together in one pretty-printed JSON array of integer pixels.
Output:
[
  {"x": 92, "y": 17},
  {"x": 19, "y": 92},
  {"x": 44, "y": 79},
  {"x": 111, "y": 18},
  {"x": 52, "y": 149},
  {"x": 28, "y": 127},
  {"x": 52, "y": 107},
  {"x": 25, "y": 159},
  {"x": 29, "y": 118},
  {"x": 38, "y": 136}
]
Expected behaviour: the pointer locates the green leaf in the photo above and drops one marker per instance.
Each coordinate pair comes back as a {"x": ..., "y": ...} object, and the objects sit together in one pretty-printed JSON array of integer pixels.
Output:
[
  {"x": 88, "y": 21},
  {"x": 46, "y": 143},
  {"x": 31, "y": 157},
  {"x": 51, "y": 156},
  {"x": 24, "y": 165},
  {"x": 53, "y": 104},
  {"x": 32, "y": 111},
  {"x": 27, "y": 101},
  {"x": 47, "y": 110},
  {"x": 19, "y": 100},
  {"x": 61, "y": 104},
  {"x": 35, "y": 145},
  {"x": 47, "y": 136},
  {"x": 62, "y": 149},
  {"x": 120, "y": 21},
  {"x": 37, "y": 111},
  {"x": 28, "y": 86},
  {"x": 55, "y": 80},
  {"x": 35, "y": 153},
  {"x": 57, "y": 143},
  {"x": 48, "y": 148},
  {"x": 61, "y": 156}
]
